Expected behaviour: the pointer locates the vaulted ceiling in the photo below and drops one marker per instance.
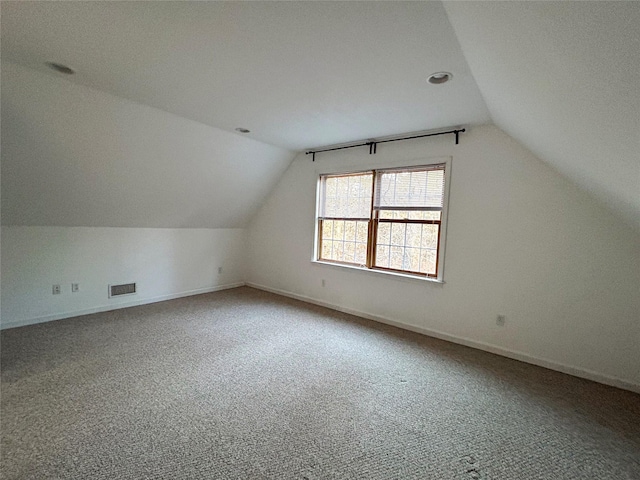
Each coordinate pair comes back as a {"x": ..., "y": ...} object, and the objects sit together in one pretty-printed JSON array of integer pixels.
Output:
[
  {"x": 563, "y": 78},
  {"x": 560, "y": 77},
  {"x": 297, "y": 74}
]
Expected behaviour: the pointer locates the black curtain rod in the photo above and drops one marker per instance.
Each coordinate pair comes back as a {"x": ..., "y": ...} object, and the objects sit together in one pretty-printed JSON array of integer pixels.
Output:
[{"x": 373, "y": 143}]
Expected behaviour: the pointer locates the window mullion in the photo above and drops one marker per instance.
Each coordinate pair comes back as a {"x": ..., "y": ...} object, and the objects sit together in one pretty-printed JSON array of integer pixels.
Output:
[
  {"x": 320, "y": 226},
  {"x": 372, "y": 224},
  {"x": 420, "y": 250},
  {"x": 404, "y": 248},
  {"x": 437, "y": 252}
]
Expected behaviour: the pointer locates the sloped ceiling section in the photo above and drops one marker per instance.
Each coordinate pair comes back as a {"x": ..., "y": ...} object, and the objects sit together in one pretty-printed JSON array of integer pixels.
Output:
[
  {"x": 75, "y": 156},
  {"x": 560, "y": 77},
  {"x": 297, "y": 74},
  {"x": 563, "y": 78}
]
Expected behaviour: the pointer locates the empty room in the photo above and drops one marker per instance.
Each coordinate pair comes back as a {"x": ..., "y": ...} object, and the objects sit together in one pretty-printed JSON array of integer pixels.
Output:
[{"x": 320, "y": 240}]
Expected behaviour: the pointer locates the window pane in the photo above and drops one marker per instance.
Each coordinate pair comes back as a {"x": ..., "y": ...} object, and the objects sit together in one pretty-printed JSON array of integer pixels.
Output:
[
  {"x": 429, "y": 236},
  {"x": 350, "y": 231},
  {"x": 326, "y": 249},
  {"x": 394, "y": 214},
  {"x": 410, "y": 247},
  {"x": 384, "y": 233},
  {"x": 428, "y": 262},
  {"x": 330, "y": 207},
  {"x": 403, "y": 187},
  {"x": 346, "y": 196},
  {"x": 363, "y": 232},
  {"x": 330, "y": 185},
  {"x": 398, "y": 233},
  {"x": 396, "y": 258},
  {"x": 409, "y": 215},
  {"x": 349, "y": 251},
  {"x": 414, "y": 235},
  {"x": 382, "y": 256},
  {"x": 361, "y": 253},
  {"x": 340, "y": 241},
  {"x": 343, "y": 187},
  {"x": 411, "y": 259},
  {"x": 339, "y": 209},
  {"x": 338, "y": 229},
  {"x": 327, "y": 229},
  {"x": 418, "y": 187},
  {"x": 424, "y": 215}
]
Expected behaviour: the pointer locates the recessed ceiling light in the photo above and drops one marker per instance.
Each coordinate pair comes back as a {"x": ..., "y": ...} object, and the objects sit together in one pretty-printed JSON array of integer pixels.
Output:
[
  {"x": 242, "y": 130},
  {"x": 58, "y": 67},
  {"x": 439, "y": 77}
]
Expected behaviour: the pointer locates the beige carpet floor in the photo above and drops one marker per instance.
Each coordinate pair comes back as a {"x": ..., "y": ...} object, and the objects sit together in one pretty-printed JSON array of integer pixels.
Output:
[{"x": 243, "y": 384}]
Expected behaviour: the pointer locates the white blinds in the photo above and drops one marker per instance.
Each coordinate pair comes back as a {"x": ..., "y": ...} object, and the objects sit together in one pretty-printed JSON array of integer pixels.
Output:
[
  {"x": 419, "y": 188},
  {"x": 346, "y": 196}
]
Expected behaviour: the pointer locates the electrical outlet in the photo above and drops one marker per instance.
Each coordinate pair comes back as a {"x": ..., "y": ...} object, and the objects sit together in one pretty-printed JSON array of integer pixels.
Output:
[
  {"x": 75, "y": 287},
  {"x": 500, "y": 320},
  {"x": 56, "y": 290},
  {"x": 219, "y": 270}
]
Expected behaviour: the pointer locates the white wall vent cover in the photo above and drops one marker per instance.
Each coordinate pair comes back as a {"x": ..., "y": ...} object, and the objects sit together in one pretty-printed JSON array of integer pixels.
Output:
[{"x": 124, "y": 289}]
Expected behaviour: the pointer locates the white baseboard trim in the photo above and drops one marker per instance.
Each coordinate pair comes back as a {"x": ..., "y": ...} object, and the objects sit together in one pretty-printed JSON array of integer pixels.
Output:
[
  {"x": 523, "y": 357},
  {"x": 106, "y": 308}
]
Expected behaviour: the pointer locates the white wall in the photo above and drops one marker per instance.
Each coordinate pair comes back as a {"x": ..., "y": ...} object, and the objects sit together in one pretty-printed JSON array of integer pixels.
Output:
[
  {"x": 165, "y": 263},
  {"x": 522, "y": 241},
  {"x": 86, "y": 160}
]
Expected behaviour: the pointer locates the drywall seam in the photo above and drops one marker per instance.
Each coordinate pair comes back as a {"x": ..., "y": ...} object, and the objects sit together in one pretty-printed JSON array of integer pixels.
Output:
[
  {"x": 106, "y": 308},
  {"x": 520, "y": 356}
]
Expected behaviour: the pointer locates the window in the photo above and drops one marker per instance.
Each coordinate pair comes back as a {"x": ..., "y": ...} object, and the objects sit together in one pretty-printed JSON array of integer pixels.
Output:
[{"x": 387, "y": 219}]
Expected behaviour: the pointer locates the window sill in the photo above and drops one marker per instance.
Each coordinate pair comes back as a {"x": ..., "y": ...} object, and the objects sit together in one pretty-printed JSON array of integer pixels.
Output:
[{"x": 399, "y": 276}]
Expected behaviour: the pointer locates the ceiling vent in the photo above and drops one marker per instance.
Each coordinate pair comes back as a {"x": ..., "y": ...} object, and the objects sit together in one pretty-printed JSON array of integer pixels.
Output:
[{"x": 124, "y": 289}]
